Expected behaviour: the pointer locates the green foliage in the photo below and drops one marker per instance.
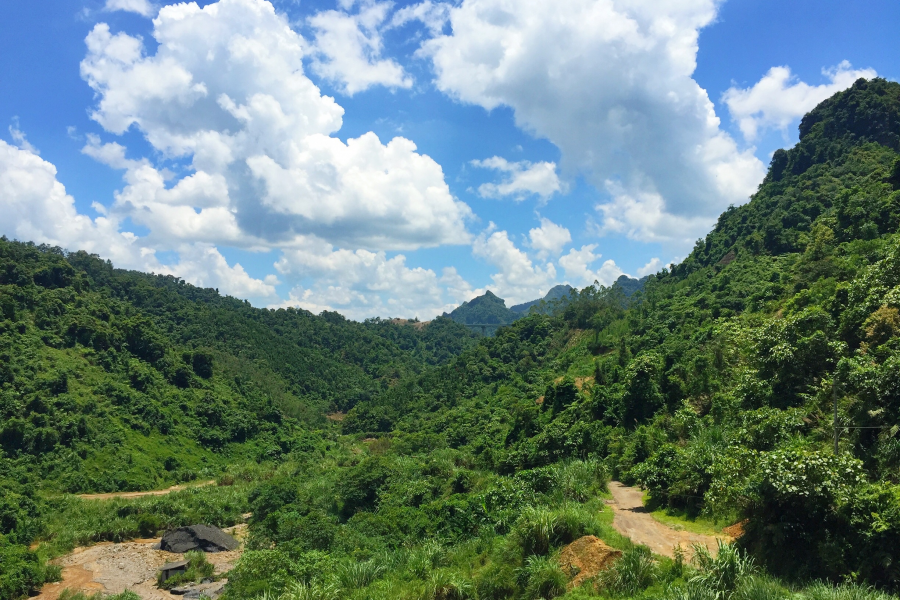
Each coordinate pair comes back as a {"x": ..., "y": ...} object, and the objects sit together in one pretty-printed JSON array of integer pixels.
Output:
[
  {"x": 23, "y": 571},
  {"x": 631, "y": 574},
  {"x": 198, "y": 568}
]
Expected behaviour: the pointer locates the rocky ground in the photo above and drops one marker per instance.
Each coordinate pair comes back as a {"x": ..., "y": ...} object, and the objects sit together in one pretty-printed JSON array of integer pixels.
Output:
[{"x": 114, "y": 568}]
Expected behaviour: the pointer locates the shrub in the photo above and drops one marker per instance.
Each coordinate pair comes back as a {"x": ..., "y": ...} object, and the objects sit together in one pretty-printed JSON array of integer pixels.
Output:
[
  {"x": 824, "y": 591},
  {"x": 449, "y": 585},
  {"x": 197, "y": 569},
  {"x": 724, "y": 572},
  {"x": 633, "y": 573},
  {"x": 21, "y": 570},
  {"x": 355, "y": 575},
  {"x": 542, "y": 577},
  {"x": 540, "y": 528}
]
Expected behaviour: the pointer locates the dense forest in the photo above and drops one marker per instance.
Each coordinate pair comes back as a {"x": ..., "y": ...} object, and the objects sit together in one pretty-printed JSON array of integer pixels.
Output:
[{"x": 756, "y": 382}]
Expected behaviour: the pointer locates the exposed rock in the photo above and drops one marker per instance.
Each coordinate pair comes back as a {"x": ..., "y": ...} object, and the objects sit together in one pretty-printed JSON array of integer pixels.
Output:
[
  {"x": 197, "y": 537},
  {"x": 585, "y": 558}
]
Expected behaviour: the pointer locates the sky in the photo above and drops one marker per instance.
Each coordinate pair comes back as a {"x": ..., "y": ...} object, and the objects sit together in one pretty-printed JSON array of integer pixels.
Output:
[{"x": 396, "y": 159}]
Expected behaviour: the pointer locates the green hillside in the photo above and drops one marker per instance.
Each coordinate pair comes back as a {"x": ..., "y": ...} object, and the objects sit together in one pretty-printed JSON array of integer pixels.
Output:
[
  {"x": 462, "y": 468},
  {"x": 713, "y": 387}
]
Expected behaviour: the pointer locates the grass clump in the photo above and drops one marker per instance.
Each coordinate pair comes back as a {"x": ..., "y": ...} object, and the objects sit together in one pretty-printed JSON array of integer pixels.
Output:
[{"x": 198, "y": 569}]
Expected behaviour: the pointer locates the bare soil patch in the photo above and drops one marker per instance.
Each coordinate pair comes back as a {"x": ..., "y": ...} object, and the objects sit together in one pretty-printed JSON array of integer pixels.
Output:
[
  {"x": 631, "y": 519},
  {"x": 113, "y": 568},
  {"x": 586, "y": 557}
]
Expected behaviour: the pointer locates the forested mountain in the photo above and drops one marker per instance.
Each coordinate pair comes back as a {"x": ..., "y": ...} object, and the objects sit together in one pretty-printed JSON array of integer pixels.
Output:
[
  {"x": 116, "y": 380},
  {"x": 461, "y": 467},
  {"x": 714, "y": 385}
]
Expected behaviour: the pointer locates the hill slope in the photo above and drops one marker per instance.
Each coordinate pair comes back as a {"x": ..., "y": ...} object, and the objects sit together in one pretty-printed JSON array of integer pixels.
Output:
[{"x": 714, "y": 386}]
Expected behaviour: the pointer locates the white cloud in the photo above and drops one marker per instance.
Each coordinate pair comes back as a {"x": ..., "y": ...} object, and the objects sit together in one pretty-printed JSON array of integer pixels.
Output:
[
  {"x": 610, "y": 83},
  {"x": 20, "y": 139},
  {"x": 226, "y": 90},
  {"x": 363, "y": 284},
  {"x": 577, "y": 267},
  {"x": 549, "y": 238},
  {"x": 652, "y": 266},
  {"x": 141, "y": 7},
  {"x": 780, "y": 98},
  {"x": 349, "y": 49},
  {"x": 434, "y": 15},
  {"x": 643, "y": 216},
  {"x": 523, "y": 179},
  {"x": 36, "y": 207},
  {"x": 518, "y": 280},
  {"x": 203, "y": 265}
]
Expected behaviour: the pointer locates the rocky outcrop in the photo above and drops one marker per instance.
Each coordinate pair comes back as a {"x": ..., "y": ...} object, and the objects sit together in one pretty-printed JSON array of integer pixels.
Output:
[{"x": 197, "y": 537}]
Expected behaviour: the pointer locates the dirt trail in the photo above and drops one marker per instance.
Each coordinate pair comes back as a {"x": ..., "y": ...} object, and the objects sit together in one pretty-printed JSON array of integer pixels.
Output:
[
  {"x": 174, "y": 488},
  {"x": 634, "y": 521},
  {"x": 113, "y": 568}
]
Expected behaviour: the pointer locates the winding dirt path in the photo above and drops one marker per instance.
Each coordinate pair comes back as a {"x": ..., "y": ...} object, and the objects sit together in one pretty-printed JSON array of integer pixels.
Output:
[
  {"x": 174, "y": 488},
  {"x": 631, "y": 519}
]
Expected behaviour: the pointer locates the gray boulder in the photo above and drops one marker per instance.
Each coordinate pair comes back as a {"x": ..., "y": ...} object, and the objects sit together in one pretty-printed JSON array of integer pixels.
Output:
[{"x": 197, "y": 537}]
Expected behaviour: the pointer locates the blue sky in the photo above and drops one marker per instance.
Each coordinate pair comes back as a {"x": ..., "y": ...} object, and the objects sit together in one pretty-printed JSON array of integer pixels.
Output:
[{"x": 395, "y": 159}]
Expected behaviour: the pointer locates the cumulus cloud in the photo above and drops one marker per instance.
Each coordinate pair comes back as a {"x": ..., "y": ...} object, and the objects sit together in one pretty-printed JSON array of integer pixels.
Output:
[
  {"x": 361, "y": 283},
  {"x": 610, "y": 83},
  {"x": 518, "y": 279},
  {"x": 549, "y": 238},
  {"x": 37, "y": 208},
  {"x": 523, "y": 179},
  {"x": 577, "y": 267},
  {"x": 141, "y": 7},
  {"x": 348, "y": 50},
  {"x": 780, "y": 98},
  {"x": 225, "y": 90},
  {"x": 20, "y": 139},
  {"x": 434, "y": 15},
  {"x": 652, "y": 266}
]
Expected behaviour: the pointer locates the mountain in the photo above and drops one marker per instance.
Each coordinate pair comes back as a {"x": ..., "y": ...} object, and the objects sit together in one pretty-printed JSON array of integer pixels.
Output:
[
  {"x": 462, "y": 468},
  {"x": 141, "y": 379},
  {"x": 481, "y": 310},
  {"x": 557, "y": 292},
  {"x": 630, "y": 285},
  {"x": 716, "y": 391}
]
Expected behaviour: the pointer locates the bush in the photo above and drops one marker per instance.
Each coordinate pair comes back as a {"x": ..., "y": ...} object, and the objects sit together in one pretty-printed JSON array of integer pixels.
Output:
[
  {"x": 723, "y": 573},
  {"x": 630, "y": 575},
  {"x": 22, "y": 571},
  {"x": 197, "y": 569},
  {"x": 540, "y": 528},
  {"x": 542, "y": 577},
  {"x": 356, "y": 575}
]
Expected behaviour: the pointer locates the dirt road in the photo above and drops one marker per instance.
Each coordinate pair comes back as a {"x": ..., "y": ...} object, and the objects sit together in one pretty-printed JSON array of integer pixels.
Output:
[
  {"x": 631, "y": 519},
  {"x": 174, "y": 488}
]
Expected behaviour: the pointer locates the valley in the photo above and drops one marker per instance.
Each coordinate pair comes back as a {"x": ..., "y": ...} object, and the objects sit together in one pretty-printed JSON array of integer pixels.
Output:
[{"x": 462, "y": 465}]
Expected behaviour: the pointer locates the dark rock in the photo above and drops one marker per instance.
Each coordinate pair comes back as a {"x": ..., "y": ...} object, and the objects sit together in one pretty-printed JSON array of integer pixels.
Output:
[
  {"x": 197, "y": 537},
  {"x": 182, "y": 590}
]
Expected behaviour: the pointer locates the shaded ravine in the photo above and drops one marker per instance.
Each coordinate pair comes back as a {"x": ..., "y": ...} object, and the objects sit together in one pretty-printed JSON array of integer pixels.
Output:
[{"x": 634, "y": 521}]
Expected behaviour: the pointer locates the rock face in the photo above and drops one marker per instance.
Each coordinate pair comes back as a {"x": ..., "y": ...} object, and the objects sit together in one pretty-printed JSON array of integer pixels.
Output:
[
  {"x": 585, "y": 558},
  {"x": 197, "y": 537}
]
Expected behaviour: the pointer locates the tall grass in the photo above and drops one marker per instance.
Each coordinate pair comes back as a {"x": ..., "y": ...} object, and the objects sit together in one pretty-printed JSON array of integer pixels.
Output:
[
  {"x": 848, "y": 591},
  {"x": 724, "y": 572},
  {"x": 355, "y": 575},
  {"x": 77, "y": 522},
  {"x": 540, "y": 528},
  {"x": 631, "y": 574},
  {"x": 542, "y": 577}
]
